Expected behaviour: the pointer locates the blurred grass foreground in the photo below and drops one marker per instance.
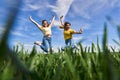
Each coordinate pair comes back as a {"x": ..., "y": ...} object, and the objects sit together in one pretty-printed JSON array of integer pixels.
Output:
[{"x": 85, "y": 63}]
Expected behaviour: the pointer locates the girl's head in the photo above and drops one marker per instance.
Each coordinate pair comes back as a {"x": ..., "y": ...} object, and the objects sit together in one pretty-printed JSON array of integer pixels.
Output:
[
  {"x": 44, "y": 23},
  {"x": 67, "y": 25}
]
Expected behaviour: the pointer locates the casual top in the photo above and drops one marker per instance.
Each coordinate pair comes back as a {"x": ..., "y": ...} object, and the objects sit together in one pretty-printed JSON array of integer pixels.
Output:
[
  {"x": 68, "y": 33},
  {"x": 46, "y": 30}
]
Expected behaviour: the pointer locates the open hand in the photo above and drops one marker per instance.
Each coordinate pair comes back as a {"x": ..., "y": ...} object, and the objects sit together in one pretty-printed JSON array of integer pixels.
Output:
[
  {"x": 30, "y": 18},
  {"x": 81, "y": 30},
  {"x": 61, "y": 17},
  {"x": 53, "y": 17}
]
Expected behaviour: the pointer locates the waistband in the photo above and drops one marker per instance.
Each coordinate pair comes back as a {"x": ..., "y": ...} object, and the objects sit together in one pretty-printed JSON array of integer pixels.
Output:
[{"x": 48, "y": 35}]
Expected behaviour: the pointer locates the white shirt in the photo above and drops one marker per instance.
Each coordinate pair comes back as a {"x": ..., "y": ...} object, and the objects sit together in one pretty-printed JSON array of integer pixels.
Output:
[{"x": 46, "y": 30}]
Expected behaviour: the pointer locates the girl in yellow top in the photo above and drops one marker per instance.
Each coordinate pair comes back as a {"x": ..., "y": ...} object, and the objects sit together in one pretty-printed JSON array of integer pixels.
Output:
[
  {"x": 68, "y": 32},
  {"x": 46, "y": 30}
]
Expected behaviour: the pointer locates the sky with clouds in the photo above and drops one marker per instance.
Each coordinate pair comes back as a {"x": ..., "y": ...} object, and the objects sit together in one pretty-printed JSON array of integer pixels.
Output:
[{"x": 90, "y": 15}]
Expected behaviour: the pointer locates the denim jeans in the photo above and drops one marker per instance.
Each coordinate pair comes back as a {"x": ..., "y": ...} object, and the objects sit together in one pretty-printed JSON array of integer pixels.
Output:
[
  {"x": 68, "y": 43},
  {"x": 46, "y": 43}
]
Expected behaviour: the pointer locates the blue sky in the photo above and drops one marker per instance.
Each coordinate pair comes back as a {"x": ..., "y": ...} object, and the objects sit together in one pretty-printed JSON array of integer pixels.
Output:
[{"x": 87, "y": 14}]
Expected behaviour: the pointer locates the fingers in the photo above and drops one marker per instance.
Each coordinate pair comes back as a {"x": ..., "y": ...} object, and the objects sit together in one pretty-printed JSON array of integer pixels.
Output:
[
  {"x": 30, "y": 17},
  {"x": 81, "y": 30},
  {"x": 61, "y": 17},
  {"x": 53, "y": 17}
]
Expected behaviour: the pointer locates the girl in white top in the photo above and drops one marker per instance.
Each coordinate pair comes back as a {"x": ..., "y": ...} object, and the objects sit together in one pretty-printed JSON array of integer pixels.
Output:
[{"x": 46, "y": 30}]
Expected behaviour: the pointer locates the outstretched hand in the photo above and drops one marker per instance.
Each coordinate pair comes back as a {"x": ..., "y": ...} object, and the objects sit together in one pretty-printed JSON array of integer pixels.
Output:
[
  {"x": 31, "y": 18},
  {"x": 81, "y": 30},
  {"x": 61, "y": 17},
  {"x": 53, "y": 17}
]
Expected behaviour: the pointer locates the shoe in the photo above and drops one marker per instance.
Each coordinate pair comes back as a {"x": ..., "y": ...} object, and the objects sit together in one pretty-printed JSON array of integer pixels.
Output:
[{"x": 38, "y": 43}]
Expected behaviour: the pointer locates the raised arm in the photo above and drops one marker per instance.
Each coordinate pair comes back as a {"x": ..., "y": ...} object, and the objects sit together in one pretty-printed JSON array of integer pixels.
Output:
[
  {"x": 33, "y": 21},
  {"x": 61, "y": 21},
  {"x": 52, "y": 22},
  {"x": 80, "y": 32}
]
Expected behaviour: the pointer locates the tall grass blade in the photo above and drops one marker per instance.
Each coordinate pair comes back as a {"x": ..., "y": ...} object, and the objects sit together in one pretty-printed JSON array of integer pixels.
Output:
[
  {"x": 111, "y": 68},
  {"x": 93, "y": 48},
  {"x": 98, "y": 47},
  {"x": 116, "y": 42}
]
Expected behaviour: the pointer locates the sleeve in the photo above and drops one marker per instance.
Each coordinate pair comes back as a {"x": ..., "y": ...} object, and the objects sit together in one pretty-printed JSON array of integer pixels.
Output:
[
  {"x": 40, "y": 27},
  {"x": 72, "y": 31}
]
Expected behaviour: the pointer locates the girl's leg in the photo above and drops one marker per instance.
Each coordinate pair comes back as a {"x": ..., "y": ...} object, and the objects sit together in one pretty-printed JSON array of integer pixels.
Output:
[
  {"x": 50, "y": 43},
  {"x": 68, "y": 42},
  {"x": 44, "y": 46}
]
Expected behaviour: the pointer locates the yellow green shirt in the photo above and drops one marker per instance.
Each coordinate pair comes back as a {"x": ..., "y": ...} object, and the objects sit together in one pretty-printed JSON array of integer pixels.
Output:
[
  {"x": 68, "y": 33},
  {"x": 46, "y": 30}
]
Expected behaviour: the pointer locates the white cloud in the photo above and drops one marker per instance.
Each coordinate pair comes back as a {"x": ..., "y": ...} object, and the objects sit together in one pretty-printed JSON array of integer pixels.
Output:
[
  {"x": 56, "y": 23},
  {"x": 77, "y": 39},
  {"x": 23, "y": 24},
  {"x": 22, "y": 27},
  {"x": 35, "y": 33},
  {"x": 85, "y": 26},
  {"x": 22, "y": 19},
  {"x": 88, "y": 8},
  {"x": 61, "y": 7},
  {"x": 31, "y": 5},
  {"x": 18, "y": 34},
  {"x": 40, "y": 6}
]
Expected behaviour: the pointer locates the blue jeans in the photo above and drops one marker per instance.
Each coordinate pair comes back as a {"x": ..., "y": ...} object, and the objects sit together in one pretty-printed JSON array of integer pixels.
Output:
[
  {"x": 46, "y": 43},
  {"x": 68, "y": 43}
]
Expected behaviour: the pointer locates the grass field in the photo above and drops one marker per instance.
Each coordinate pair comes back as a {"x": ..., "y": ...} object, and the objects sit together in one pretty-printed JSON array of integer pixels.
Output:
[{"x": 64, "y": 65}]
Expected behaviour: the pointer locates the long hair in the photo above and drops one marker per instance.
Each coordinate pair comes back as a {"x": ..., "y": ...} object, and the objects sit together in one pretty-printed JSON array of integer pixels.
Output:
[{"x": 44, "y": 21}]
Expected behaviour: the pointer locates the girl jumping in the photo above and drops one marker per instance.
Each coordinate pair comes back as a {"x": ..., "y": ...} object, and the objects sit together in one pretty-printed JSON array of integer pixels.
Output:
[
  {"x": 68, "y": 32},
  {"x": 46, "y": 30}
]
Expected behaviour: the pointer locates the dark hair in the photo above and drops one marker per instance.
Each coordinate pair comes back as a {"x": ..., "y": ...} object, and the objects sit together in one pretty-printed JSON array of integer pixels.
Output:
[
  {"x": 67, "y": 23},
  {"x": 43, "y": 21}
]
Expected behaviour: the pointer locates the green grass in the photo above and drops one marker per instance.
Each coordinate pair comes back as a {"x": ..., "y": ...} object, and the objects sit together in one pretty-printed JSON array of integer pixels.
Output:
[
  {"x": 78, "y": 64},
  {"x": 64, "y": 65}
]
